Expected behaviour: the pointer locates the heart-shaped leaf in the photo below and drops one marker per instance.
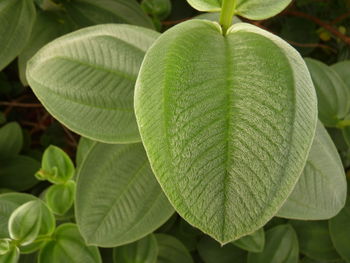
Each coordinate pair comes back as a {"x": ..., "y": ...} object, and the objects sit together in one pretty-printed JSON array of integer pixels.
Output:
[
  {"x": 118, "y": 198},
  {"x": 227, "y": 132},
  {"x": 86, "y": 80},
  {"x": 321, "y": 190}
]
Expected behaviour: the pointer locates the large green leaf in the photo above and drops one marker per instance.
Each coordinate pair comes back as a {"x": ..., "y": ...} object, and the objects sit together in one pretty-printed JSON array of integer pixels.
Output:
[
  {"x": 16, "y": 22},
  {"x": 47, "y": 27},
  {"x": 252, "y": 9},
  {"x": 227, "y": 132},
  {"x": 69, "y": 247},
  {"x": 332, "y": 94},
  {"x": 171, "y": 250},
  {"x": 144, "y": 250},
  {"x": 84, "y": 146},
  {"x": 314, "y": 240},
  {"x": 253, "y": 243},
  {"x": 92, "y": 12},
  {"x": 281, "y": 247},
  {"x": 321, "y": 190},
  {"x": 11, "y": 140},
  {"x": 339, "y": 228},
  {"x": 118, "y": 198},
  {"x": 86, "y": 80}
]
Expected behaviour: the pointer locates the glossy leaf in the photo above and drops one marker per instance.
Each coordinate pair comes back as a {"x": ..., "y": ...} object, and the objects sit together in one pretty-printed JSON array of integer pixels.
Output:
[
  {"x": 321, "y": 190},
  {"x": 211, "y": 251},
  {"x": 214, "y": 124},
  {"x": 83, "y": 149},
  {"x": 86, "y": 80},
  {"x": 68, "y": 246},
  {"x": 171, "y": 250},
  {"x": 281, "y": 247},
  {"x": 5, "y": 246},
  {"x": 47, "y": 27},
  {"x": 314, "y": 240},
  {"x": 144, "y": 250},
  {"x": 16, "y": 22},
  {"x": 92, "y": 12},
  {"x": 251, "y": 9},
  {"x": 11, "y": 140},
  {"x": 332, "y": 94},
  {"x": 253, "y": 243},
  {"x": 11, "y": 257},
  {"x": 118, "y": 199},
  {"x": 339, "y": 228},
  {"x": 60, "y": 198}
]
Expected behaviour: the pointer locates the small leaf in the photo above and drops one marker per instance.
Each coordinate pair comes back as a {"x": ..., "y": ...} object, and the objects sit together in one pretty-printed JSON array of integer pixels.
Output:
[
  {"x": 332, "y": 94},
  {"x": 11, "y": 257},
  {"x": 17, "y": 19},
  {"x": 144, "y": 250},
  {"x": 253, "y": 243},
  {"x": 157, "y": 8},
  {"x": 11, "y": 140},
  {"x": 68, "y": 246},
  {"x": 314, "y": 240},
  {"x": 56, "y": 166},
  {"x": 118, "y": 199},
  {"x": 86, "y": 80},
  {"x": 60, "y": 198},
  {"x": 211, "y": 251},
  {"x": 339, "y": 228},
  {"x": 321, "y": 190},
  {"x": 171, "y": 250},
  {"x": 281, "y": 247},
  {"x": 214, "y": 124},
  {"x": 343, "y": 70}
]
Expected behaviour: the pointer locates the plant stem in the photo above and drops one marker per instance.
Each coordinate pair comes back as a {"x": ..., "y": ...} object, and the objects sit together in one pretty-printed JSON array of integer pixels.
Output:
[{"x": 227, "y": 13}]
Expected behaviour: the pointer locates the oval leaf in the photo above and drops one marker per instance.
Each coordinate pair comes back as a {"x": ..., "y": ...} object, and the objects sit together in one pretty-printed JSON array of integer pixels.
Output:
[
  {"x": 171, "y": 250},
  {"x": 227, "y": 132},
  {"x": 253, "y": 243},
  {"x": 17, "y": 19},
  {"x": 144, "y": 250},
  {"x": 118, "y": 198},
  {"x": 91, "y": 73},
  {"x": 11, "y": 140},
  {"x": 60, "y": 198},
  {"x": 321, "y": 190},
  {"x": 281, "y": 247}
]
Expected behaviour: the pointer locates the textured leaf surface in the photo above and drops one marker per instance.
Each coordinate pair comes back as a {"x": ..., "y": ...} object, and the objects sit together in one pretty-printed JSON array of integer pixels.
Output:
[
  {"x": 92, "y": 12},
  {"x": 281, "y": 247},
  {"x": 321, "y": 190},
  {"x": 86, "y": 80},
  {"x": 315, "y": 241},
  {"x": 68, "y": 246},
  {"x": 171, "y": 250},
  {"x": 332, "y": 94},
  {"x": 11, "y": 140},
  {"x": 83, "y": 149},
  {"x": 253, "y": 243},
  {"x": 16, "y": 22},
  {"x": 118, "y": 198},
  {"x": 144, "y": 250},
  {"x": 227, "y": 132}
]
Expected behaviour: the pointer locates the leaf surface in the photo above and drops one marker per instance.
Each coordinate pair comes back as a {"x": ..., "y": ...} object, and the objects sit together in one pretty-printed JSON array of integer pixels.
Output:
[
  {"x": 171, "y": 250},
  {"x": 11, "y": 140},
  {"x": 253, "y": 243}
]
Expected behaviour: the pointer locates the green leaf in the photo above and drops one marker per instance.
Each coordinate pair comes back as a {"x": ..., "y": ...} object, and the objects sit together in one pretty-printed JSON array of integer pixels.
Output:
[
  {"x": 343, "y": 70},
  {"x": 314, "y": 240},
  {"x": 84, "y": 146},
  {"x": 8, "y": 203},
  {"x": 86, "y": 80},
  {"x": 11, "y": 140},
  {"x": 118, "y": 199},
  {"x": 11, "y": 257},
  {"x": 47, "y": 27},
  {"x": 332, "y": 94},
  {"x": 281, "y": 247},
  {"x": 321, "y": 190},
  {"x": 56, "y": 166},
  {"x": 144, "y": 250},
  {"x": 251, "y": 9},
  {"x": 228, "y": 132},
  {"x": 171, "y": 250},
  {"x": 339, "y": 228},
  {"x": 16, "y": 22},
  {"x": 17, "y": 173},
  {"x": 157, "y": 8},
  {"x": 215, "y": 16},
  {"x": 68, "y": 246},
  {"x": 211, "y": 251},
  {"x": 253, "y": 243},
  {"x": 60, "y": 198},
  {"x": 92, "y": 12}
]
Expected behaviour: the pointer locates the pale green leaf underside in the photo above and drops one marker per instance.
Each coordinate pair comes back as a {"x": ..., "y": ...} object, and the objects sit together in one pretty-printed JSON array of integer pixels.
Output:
[
  {"x": 227, "y": 132},
  {"x": 86, "y": 80},
  {"x": 321, "y": 190},
  {"x": 118, "y": 198},
  {"x": 16, "y": 21},
  {"x": 251, "y": 9}
]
